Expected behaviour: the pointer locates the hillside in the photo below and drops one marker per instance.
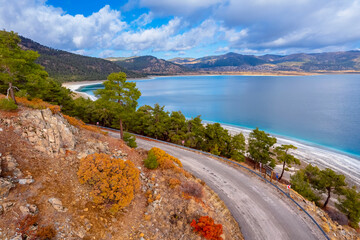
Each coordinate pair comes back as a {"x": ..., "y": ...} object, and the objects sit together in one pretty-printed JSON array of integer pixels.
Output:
[
  {"x": 41, "y": 196},
  {"x": 301, "y": 62},
  {"x": 150, "y": 65},
  {"x": 66, "y": 67}
]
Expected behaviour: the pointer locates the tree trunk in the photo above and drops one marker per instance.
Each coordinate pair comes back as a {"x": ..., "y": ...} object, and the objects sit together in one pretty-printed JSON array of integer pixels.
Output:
[
  {"x": 11, "y": 89},
  {"x": 121, "y": 130},
  {"x": 327, "y": 200},
  {"x": 282, "y": 172}
]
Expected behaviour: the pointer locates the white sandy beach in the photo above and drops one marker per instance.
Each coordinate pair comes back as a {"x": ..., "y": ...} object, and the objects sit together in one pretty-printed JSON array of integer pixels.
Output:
[{"x": 322, "y": 157}]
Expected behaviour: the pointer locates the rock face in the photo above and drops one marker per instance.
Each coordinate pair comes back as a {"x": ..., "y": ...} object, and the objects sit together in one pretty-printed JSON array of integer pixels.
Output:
[{"x": 50, "y": 133}]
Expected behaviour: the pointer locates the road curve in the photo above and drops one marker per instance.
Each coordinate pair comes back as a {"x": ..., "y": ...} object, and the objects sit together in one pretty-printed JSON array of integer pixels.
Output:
[{"x": 261, "y": 211}]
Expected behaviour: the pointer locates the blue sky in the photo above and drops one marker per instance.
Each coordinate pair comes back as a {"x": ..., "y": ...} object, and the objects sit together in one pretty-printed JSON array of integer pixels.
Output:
[{"x": 186, "y": 28}]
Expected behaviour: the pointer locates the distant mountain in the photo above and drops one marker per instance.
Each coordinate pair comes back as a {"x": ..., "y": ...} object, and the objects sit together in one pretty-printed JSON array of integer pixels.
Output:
[
  {"x": 65, "y": 66},
  {"x": 150, "y": 65},
  {"x": 301, "y": 62}
]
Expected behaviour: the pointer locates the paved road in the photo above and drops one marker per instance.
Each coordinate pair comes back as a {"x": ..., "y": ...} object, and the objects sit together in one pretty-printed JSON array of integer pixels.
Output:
[{"x": 262, "y": 213}]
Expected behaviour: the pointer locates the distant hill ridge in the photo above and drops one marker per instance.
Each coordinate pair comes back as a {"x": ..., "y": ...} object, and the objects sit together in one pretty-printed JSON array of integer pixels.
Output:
[
  {"x": 303, "y": 62},
  {"x": 150, "y": 65},
  {"x": 65, "y": 66}
]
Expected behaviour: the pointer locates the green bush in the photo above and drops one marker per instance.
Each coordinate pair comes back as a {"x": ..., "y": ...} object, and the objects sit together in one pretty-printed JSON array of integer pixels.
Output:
[
  {"x": 151, "y": 161},
  {"x": 130, "y": 140},
  {"x": 8, "y": 104}
]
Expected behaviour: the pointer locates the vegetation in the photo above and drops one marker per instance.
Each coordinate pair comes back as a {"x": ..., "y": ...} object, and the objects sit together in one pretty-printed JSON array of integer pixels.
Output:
[
  {"x": 285, "y": 158},
  {"x": 311, "y": 178},
  {"x": 206, "y": 227},
  {"x": 259, "y": 147},
  {"x": 120, "y": 96},
  {"x": 151, "y": 161},
  {"x": 114, "y": 181},
  {"x": 301, "y": 184},
  {"x": 193, "y": 189},
  {"x": 165, "y": 160},
  {"x": 7, "y": 104},
  {"x": 328, "y": 181},
  {"x": 349, "y": 204},
  {"x": 130, "y": 140},
  {"x": 29, "y": 228}
]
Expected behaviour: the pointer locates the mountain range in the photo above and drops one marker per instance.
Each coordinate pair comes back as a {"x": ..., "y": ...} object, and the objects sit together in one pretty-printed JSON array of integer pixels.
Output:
[{"x": 65, "y": 66}]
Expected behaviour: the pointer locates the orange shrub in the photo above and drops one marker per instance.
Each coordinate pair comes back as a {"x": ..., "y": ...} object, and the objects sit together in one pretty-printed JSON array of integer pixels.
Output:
[
  {"x": 174, "y": 182},
  {"x": 80, "y": 124},
  {"x": 114, "y": 181},
  {"x": 207, "y": 228},
  {"x": 165, "y": 160}
]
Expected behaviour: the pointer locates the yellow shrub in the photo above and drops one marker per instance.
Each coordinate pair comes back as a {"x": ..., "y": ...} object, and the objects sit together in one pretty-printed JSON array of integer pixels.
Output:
[
  {"x": 80, "y": 124},
  {"x": 165, "y": 160},
  {"x": 114, "y": 181}
]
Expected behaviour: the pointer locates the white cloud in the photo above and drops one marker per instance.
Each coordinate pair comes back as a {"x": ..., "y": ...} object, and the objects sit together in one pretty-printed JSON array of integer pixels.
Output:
[
  {"x": 146, "y": 38},
  {"x": 200, "y": 35},
  {"x": 51, "y": 26},
  {"x": 144, "y": 19}
]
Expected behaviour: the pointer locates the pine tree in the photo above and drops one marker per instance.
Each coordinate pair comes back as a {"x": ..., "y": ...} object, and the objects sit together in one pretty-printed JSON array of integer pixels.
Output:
[
  {"x": 121, "y": 94},
  {"x": 285, "y": 158}
]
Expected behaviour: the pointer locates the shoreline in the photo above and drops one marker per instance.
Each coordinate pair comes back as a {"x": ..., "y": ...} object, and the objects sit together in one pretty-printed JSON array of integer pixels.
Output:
[{"x": 309, "y": 153}]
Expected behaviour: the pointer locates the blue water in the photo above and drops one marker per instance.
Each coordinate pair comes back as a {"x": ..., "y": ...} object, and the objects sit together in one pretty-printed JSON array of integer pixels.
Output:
[{"x": 322, "y": 109}]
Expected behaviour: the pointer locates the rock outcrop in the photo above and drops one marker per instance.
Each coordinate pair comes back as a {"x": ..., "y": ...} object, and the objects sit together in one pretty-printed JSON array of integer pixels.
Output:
[{"x": 50, "y": 133}]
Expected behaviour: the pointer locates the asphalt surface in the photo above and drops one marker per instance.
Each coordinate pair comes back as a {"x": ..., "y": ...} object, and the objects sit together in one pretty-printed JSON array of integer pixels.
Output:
[{"x": 261, "y": 211}]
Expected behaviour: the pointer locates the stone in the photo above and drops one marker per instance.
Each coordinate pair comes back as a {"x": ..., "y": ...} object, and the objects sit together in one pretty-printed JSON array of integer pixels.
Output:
[
  {"x": 26, "y": 181},
  {"x": 33, "y": 208},
  {"x": 10, "y": 163},
  {"x": 57, "y": 204},
  {"x": 1, "y": 210},
  {"x": 5, "y": 186},
  {"x": 24, "y": 210},
  {"x": 7, "y": 206}
]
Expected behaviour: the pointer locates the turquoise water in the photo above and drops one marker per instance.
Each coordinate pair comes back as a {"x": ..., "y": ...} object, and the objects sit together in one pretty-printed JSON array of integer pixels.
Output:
[{"x": 323, "y": 109}]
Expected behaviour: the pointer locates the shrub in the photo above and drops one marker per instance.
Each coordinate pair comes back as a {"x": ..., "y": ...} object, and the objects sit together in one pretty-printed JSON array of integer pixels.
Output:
[
  {"x": 207, "y": 228},
  {"x": 29, "y": 228},
  {"x": 165, "y": 160},
  {"x": 174, "y": 182},
  {"x": 8, "y": 104},
  {"x": 80, "y": 124},
  {"x": 193, "y": 189},
  {"x": 114, "y": 181},
  {"x": 130, "y": 140},
  {"x": 151, "y": 161}
]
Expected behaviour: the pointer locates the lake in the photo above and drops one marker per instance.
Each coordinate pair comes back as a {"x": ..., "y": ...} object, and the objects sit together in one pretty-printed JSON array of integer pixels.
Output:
[{"x": 322, "y": 110}]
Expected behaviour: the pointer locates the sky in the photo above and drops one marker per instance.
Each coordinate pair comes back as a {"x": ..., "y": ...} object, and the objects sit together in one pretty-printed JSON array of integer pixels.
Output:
[{"x": 186, "y": 28}]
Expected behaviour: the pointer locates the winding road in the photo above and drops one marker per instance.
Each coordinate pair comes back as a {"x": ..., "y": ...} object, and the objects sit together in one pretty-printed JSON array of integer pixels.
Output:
[{"x": 261, "y": 211}]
